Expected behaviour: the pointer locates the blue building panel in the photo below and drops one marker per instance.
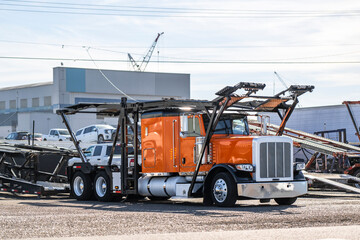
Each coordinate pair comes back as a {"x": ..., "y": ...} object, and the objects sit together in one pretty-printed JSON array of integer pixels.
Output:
[{"x": 75, "y": 80}]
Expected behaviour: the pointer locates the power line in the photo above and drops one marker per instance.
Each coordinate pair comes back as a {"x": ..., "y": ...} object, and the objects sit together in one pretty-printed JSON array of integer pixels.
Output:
[
  {"x": 112, "y": 84},
  {"x": 182, "y": 62},
  {"x": 182, "y": 8},
  {"x": 185, "y": 47},
  {"x": 246, "y": 16}
]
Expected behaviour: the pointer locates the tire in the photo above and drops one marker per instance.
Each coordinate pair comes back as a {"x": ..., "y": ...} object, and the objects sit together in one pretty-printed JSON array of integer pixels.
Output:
[
  {"x": 102, "y": 189},
  {"x": 152, "y": 198},
  {"x": 60, "y": 140},
  {"x": 81, "y": 186},
  {"x": 357, "y": 174},
  {"x": 223, "y": 190},
  {"x": 100, "y": 138},
  {"x": 285, "y": 201},
  {"x": 45, "y": 139}
]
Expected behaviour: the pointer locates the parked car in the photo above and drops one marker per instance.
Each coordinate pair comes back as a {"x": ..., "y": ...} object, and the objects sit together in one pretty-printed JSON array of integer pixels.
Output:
[
  {"x": 17, "y": 136},
  {"x": 37, "y": 137},
  {"x": 95, "y": 133},
  {"x": 57, "y": 134}
]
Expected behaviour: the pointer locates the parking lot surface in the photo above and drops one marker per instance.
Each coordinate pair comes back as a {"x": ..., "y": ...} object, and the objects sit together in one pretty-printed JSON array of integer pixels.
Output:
[{"x": 61, "y": 217}]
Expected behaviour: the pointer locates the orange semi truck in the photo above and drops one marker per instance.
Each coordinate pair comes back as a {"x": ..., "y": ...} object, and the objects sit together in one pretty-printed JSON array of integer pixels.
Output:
[{"x": 190, "y": 148}]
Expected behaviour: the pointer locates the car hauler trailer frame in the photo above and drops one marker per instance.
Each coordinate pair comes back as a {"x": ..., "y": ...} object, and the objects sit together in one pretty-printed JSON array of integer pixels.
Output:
[
  {"x": 34, "y": 169},
  {"x": 192, "y": 148}
]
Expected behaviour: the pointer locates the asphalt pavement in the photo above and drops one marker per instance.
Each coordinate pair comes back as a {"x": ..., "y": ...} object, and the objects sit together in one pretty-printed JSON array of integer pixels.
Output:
[{"x": 320, "y": 215}]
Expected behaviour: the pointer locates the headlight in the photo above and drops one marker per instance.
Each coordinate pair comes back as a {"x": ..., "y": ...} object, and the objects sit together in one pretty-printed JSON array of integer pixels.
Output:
[
  {"x": 245, "y": 167},
  {"x": 299, "y": 166}
]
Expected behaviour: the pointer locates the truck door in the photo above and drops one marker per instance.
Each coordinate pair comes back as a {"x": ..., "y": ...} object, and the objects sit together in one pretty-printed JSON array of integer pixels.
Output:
[{"x": 187, "y": 142}]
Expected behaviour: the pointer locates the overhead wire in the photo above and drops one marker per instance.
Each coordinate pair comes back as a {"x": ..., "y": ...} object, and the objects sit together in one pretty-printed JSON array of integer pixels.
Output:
[
  {"x": 182, "y": 8},
  {"x": 184, "y": 62},
  {"x": 112, "y": 84}
]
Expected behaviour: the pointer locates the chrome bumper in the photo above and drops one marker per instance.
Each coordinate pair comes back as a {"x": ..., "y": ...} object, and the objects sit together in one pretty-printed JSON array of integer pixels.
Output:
[{"x": 268, "y": 190}]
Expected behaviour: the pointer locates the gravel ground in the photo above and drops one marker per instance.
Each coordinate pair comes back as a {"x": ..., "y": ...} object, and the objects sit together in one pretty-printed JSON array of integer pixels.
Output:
[{"x": 29, "y": 217}]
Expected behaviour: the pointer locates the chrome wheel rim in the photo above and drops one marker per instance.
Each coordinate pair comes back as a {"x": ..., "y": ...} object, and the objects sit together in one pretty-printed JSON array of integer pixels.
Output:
[
  {"x": 101, "y": 186},
  {"x": 220, "y": 190},
  {"x": 78, "y": 186}
]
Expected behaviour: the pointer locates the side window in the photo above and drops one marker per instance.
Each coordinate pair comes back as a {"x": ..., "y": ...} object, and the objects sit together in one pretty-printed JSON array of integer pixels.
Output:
[
  {"x": 240, "y": 127},
  {"x": 88, "y": 152},
  {"x": 87, "y": 130},
  {"x": 78, "y": 132},
  {"x": 97, "y": 151},
  {"x": 194, "y": 127},
  {"x": 52, "y": 132}
]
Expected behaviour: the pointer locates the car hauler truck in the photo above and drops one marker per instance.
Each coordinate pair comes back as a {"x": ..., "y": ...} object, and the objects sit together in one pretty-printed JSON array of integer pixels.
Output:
[{"x": 192, "y": 148}]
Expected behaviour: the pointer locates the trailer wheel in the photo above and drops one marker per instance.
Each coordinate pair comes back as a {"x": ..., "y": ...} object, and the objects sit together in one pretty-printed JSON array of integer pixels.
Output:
[
  {"x": 285, "y": 201},
  {"x": 223, "y": 190},
  {"x": 357, "y": 174},
  {"x": 100, "y": 138},
  {"x": 81, "y": 186},
  {"x": 102, "y": 188}
]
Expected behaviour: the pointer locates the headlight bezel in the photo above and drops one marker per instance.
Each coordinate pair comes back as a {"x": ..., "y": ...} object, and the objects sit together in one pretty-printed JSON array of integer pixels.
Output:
[{"x": 245, "y": 167}]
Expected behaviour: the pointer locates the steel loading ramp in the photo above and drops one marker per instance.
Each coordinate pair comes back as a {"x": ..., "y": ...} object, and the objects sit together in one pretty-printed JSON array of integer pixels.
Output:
[
  {"x": 309, "y": 141},
  {"x": 326, "y": 178}
]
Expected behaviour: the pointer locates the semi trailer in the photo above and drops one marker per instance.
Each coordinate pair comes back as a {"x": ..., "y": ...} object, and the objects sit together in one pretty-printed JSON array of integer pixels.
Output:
[{"x": 193, "y": 148}]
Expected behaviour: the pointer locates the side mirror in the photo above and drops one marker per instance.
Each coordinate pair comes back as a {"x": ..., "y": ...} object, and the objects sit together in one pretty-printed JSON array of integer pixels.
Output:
[{"x": 184, "y": 125}]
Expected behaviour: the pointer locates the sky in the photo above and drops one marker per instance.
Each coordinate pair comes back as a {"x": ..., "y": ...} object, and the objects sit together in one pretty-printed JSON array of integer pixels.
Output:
[{"x": 218, "y": 43}]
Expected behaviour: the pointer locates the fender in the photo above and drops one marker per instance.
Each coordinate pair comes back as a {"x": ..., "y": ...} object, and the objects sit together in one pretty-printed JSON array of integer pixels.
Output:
[{"x": 207, "y": 200}]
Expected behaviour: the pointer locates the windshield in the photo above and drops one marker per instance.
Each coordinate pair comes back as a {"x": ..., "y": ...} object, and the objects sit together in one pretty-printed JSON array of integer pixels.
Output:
[
  {"x": 63, "y": 132},
  {"x": 230, "y": 125},
  {"x": 118, "y": 150}
]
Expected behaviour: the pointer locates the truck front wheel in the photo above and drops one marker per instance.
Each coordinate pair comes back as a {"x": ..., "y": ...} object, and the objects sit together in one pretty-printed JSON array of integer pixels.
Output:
[
  {"x": 102, "y": 187},
  {"x": 81, "y": 187},
  {"x": 223, "y": 190},
  {"x": 285, "y": 201}
]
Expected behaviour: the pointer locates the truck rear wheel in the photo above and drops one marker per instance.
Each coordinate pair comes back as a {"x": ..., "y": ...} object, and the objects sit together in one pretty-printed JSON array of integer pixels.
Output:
[
  {"x": 223, "y": 190},
  {"x": 81, "y": 186},
  {"x": 102, "y": 187},
  {"x": 285, "y": 201}
]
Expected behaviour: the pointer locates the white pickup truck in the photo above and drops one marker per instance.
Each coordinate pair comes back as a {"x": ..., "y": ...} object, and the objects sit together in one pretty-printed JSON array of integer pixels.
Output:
[
  {"x": 57, "y": 134},
  {"x": 98, "y": 155}
]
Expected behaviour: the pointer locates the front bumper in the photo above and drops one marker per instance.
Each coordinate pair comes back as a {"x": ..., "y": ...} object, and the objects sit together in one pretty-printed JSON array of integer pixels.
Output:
[{"x": 268, "y": 190}]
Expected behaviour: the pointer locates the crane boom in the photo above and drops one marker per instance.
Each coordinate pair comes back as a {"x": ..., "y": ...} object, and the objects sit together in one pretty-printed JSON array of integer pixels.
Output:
[
  {"x": 133, "y": 63},
  {"x": 149, "y": 53},
  {"x": 147, "y": 57}
]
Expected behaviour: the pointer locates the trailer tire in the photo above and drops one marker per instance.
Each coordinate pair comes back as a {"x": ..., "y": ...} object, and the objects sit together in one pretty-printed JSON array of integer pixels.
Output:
[
  {"x": 223, "y": 190},
  {"x": 357, "y": 174},
  {"x": 81, "y": 186},
  {"x": 102, "y": 189},
  {"x": 285, "y": 201}
]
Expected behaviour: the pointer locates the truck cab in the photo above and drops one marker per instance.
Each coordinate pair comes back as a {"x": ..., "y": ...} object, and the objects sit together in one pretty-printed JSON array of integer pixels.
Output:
[{"x": 235, "y": 164}]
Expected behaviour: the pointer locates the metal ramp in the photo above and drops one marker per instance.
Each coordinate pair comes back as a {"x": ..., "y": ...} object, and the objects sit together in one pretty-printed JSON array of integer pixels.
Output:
[
  {"x": 310, "y": 141},
  {"x": 326, "y": 180}
]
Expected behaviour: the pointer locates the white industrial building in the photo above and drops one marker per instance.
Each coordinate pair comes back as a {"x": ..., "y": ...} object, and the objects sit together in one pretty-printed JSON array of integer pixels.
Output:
[{"x": 21, "y": 105}]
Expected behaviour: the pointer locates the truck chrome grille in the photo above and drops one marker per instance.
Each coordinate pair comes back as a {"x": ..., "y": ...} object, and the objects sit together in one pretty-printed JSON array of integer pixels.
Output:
[{"x": 275, "y": 160}]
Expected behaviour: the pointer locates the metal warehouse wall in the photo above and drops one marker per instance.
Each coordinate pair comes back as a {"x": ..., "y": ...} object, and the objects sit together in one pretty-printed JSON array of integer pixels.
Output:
[{"x": 316, "y": 119}]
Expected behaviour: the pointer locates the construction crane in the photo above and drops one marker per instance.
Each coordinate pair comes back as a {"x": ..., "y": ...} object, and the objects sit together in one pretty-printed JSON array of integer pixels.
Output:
[{"x": 141, "y": 67}]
